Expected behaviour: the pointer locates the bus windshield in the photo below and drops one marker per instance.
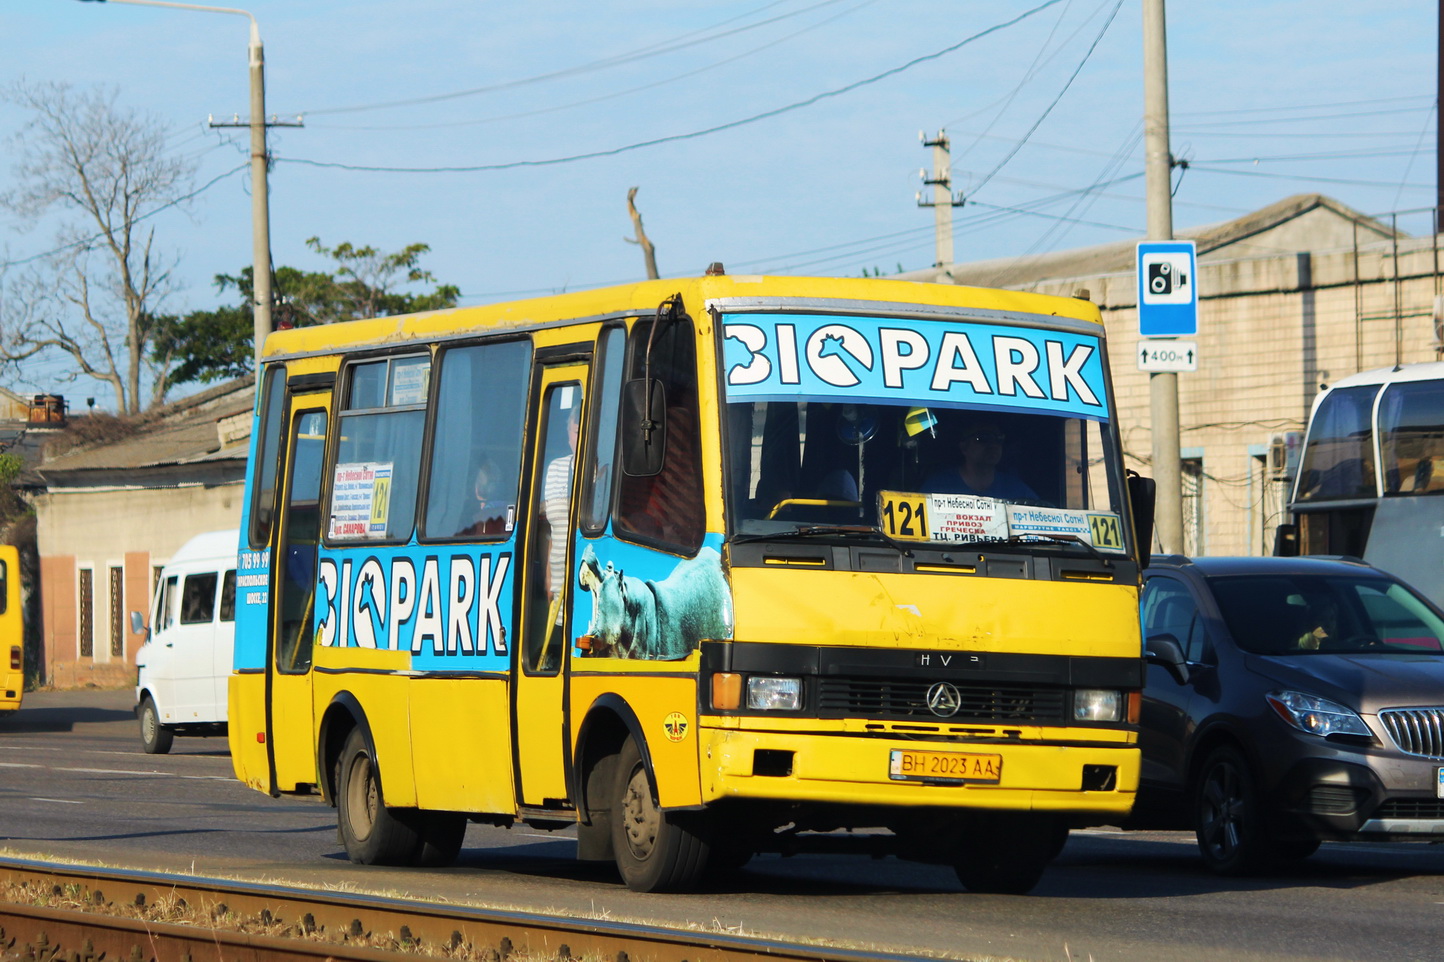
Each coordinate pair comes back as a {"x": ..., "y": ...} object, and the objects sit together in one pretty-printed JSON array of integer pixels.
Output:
[
  {"x": 1338, "y": 459},
  {"x": 1411, "y": 429},
  {"x": 980, "y": 474}
]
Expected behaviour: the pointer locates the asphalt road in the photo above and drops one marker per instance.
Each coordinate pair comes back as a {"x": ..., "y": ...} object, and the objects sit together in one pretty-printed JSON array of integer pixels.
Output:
[{"x": 75, "y": 785}]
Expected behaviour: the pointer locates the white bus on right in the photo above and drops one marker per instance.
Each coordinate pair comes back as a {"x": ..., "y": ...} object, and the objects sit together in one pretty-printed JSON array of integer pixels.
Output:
[{"x": 1371, "y": 476}]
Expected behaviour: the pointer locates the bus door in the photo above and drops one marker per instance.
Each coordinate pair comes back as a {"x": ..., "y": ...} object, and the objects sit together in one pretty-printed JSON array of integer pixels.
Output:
[
  {"x": 539, "y": 718},
  {"x": 291, "y": 747}
]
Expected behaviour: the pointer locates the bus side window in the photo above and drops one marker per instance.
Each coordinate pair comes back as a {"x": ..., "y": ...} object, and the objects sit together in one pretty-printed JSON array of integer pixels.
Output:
[
  {"x": 477, "y": 442},
  {"x": 378, "y": 462},
  {"x": 263, "y": 506},
  {"x": 667, "y": 508},
  {"x": 601, "y": 460},
  {"x": 4, "y": 586}
]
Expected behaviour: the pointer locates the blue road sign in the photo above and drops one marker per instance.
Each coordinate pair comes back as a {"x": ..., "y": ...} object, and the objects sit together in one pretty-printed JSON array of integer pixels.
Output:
[{"x": 1167, "y": 289}]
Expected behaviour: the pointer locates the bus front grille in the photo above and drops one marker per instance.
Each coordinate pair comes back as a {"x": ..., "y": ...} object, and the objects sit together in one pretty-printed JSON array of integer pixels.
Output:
[{"x": 894, "y": 698}]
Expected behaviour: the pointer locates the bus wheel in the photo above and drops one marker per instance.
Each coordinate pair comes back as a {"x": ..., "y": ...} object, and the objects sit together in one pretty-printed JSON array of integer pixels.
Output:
[
  {"x": 155, "y": 738},
  {"x": 441, "y": 835},
  {"x": 656, "y": 851},
  {"x": 371, "y": 832},
  {"x": 1006, "y": 852}
]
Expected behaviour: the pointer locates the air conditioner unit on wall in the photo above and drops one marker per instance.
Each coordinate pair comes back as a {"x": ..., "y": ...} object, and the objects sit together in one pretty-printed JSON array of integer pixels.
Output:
[{"x": 1283, "y": 458}]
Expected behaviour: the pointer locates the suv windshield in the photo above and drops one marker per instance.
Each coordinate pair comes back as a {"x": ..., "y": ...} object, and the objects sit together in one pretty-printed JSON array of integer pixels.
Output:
[{"x": 1303, "y": 614}]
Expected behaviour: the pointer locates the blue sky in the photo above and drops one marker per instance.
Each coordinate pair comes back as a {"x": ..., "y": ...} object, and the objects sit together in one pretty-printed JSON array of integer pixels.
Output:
[{"x": 1268, "y": 99}]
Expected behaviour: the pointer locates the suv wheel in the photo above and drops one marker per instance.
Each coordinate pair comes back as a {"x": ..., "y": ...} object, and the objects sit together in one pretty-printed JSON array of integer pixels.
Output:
[{"x": 1227, "y": 817}]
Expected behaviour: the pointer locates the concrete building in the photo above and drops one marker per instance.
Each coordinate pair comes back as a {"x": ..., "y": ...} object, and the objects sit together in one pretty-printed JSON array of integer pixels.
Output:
[
  {"x": 1291, "y": 297},
  {"x": 111, "y": 512}
]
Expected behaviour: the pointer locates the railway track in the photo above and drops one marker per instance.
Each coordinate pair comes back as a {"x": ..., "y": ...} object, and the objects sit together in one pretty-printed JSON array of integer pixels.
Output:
[{"x": 53, "y": 912}]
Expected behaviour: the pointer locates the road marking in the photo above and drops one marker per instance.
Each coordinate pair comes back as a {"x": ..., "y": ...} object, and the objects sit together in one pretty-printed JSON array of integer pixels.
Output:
[
  {"x": 57, "y": 801},
  {"x": 120, "y": 771}
]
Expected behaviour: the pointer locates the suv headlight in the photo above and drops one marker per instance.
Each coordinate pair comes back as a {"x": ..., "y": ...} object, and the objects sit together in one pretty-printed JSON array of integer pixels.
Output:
[{"x": 1316, "y": 715}]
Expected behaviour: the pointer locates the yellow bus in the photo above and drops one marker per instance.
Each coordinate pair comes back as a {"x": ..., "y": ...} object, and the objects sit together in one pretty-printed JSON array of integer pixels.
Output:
[
  {"x": 703, "y": 568},
  {"x": 12, "y": 632}
]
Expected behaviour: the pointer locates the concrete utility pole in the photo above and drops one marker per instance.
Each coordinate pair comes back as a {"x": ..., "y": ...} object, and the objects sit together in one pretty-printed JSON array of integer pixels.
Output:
[
  {"x": 1158, "y": 174},
  {"x": 260, "y": 198},
  {"x": 649, "y": 253},
  {"x": 942, "y": 200}
]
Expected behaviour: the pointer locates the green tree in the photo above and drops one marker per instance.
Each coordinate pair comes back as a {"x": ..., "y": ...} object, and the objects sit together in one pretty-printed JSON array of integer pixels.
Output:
[{"x": 208, "y": 346}]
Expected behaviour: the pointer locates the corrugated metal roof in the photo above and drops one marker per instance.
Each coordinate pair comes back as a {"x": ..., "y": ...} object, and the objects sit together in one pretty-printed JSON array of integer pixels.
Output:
[{"x": 184, "y": 432}]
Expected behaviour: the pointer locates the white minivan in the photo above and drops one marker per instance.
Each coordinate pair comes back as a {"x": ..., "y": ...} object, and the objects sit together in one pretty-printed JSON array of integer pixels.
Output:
[{"x": 185, "y": 663}]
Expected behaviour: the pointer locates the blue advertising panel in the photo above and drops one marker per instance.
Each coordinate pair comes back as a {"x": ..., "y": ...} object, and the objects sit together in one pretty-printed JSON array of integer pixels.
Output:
[
  {"x": 1167, "y": 289},
  {"x": 926, "y": 362}
]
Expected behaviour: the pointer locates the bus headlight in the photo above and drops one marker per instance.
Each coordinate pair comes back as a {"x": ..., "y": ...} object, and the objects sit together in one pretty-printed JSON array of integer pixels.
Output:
[
  {"x": 1097, "y": 705},
  {"x": 774, "y": 694}
]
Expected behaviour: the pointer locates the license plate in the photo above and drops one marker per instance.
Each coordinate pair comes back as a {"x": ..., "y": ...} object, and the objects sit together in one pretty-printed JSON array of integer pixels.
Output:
[
  {"x": 1439, "y": 782},
  {"x": 951, "y": 767}
]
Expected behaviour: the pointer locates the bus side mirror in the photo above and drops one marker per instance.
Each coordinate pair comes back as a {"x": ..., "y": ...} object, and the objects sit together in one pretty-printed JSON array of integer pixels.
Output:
[
  {"x": 137, "y": 624},
  {"x": 644, "y": 427},
  {"x": 1142, "y": 493},
  {"x": 1286, "y": 541}
]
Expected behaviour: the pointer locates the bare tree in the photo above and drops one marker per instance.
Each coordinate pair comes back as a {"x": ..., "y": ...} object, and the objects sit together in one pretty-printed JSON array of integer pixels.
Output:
[{"x": 98, "y": 171}]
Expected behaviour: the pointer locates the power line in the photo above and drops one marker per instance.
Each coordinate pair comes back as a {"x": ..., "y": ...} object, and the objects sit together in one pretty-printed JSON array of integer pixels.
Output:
[
  {"x": 1049, "y": 109},
  {"x": 84, "y": 242},
  {"x": 1320, "y": 180},
  {"x": 680, "y": 42},
  {"x": 673, "y": 138},
  {"x": 604, "y": 97}
]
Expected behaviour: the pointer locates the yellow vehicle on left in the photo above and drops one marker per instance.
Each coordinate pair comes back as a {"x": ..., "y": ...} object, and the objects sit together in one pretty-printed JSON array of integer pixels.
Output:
[{"x": 12, "y": 632}]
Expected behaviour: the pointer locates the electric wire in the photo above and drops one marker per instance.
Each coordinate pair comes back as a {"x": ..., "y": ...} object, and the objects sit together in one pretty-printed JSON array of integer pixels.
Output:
[
  {"x": 668, "y": 46},
  {"x": 692, "y": 135},
  {"x": 557, "y": 108}
]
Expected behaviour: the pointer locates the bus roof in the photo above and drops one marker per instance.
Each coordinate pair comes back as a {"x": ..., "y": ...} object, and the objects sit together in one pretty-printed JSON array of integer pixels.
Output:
[
  {"x": 1423, "y": 371},
  {"x": 645, "y": 296}
]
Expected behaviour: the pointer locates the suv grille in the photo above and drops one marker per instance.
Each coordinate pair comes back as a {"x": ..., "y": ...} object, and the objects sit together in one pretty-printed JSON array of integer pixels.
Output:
[
  {"x": 890, "y": 698},
  {"x": 1412, "y": 808},
  {"x": 1416, "y": 731}
]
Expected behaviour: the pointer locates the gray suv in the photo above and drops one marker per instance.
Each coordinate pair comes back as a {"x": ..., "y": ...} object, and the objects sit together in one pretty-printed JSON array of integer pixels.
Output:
[{"x": 1289, "y": 701}]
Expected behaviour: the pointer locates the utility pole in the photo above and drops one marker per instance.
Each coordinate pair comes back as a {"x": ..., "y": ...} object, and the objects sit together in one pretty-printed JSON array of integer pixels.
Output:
[
  {"x": 942, "y": 200},
  {"x": 1162, "y": 387},
  {"x": 649, "y": 253}
]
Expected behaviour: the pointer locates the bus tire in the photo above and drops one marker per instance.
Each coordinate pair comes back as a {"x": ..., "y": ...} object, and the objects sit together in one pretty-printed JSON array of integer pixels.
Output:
[
  {"x": 440, "y": 835},
  {"x": 656, "y": 850},
  {"x": 1005, "y": 853},
  {"x": 155, "y": 738},
  {"x": 371, "y": 832}
]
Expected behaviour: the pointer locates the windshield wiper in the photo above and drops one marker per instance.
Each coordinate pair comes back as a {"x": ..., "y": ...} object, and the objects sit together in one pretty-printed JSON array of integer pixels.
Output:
[
  {"x": 814, "y": 530},
  {"x": 1058, "y": 538}
]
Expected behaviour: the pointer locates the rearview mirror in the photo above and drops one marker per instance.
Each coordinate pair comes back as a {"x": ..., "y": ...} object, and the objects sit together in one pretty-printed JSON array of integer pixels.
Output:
[
  {"x": 1141, "y": 495},
  {"x": 1164, "y": 649},
  {"x": 644, "y": 427},
  {"x": 137, "y": 624}
]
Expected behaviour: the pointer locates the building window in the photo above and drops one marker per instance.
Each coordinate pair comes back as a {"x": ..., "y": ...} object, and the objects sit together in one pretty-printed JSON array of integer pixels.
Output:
[
  {"x": 87, "y": 613},
  {"x": 117, "y": 612}
]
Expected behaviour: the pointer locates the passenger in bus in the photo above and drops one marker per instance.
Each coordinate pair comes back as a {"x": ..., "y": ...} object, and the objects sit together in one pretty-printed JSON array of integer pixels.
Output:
[
  {"x": 556, "y": 498},
  {"x": 978, "y": 472},
  {"x": 494, "y": 514}
]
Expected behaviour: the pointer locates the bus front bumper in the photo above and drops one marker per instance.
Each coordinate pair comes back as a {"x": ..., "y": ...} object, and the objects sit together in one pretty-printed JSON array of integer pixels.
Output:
[{"x": 1063, "y": 776}]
